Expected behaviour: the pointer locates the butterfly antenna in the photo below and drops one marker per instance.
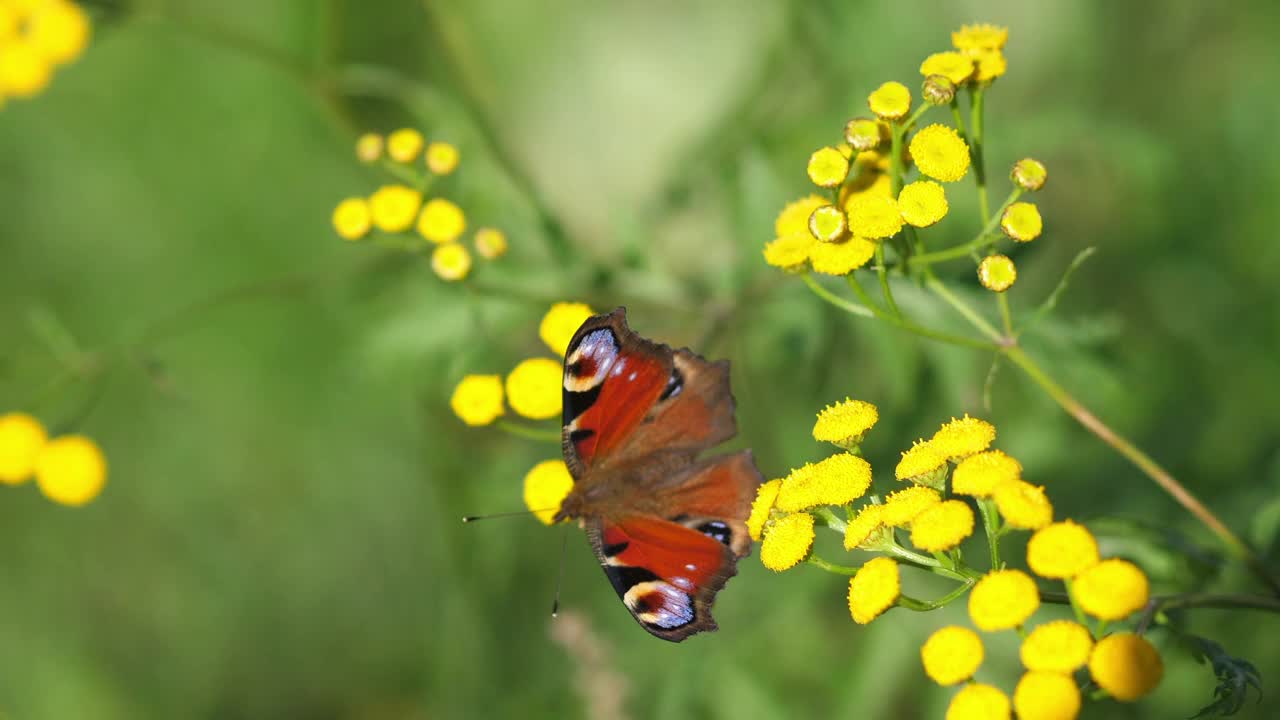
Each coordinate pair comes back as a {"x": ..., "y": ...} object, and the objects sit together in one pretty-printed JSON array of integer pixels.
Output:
[
  {"x": 564, "y": 543},
  {"x": 515, "y": 513}
]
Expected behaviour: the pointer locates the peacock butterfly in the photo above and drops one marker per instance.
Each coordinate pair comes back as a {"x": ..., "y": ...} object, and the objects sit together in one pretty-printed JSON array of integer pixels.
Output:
[{"x": 667, "y": 525}]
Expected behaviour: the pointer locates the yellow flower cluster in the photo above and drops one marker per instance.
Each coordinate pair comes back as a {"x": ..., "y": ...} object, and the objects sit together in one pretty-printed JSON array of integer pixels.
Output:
[
  {"x": 545, "y": 487},
  {"x": 36, "y": 37},
  {"x": 69, "y": 469}
]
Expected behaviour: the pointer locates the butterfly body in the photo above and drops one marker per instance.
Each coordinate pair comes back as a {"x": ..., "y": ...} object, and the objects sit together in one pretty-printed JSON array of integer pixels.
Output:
[{"x": 666, "y": 524}]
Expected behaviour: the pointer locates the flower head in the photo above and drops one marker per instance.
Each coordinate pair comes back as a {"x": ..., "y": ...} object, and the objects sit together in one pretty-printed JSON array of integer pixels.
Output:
[
  {"x": 938, "y": 90},
  {"x": 841, "y": 258},
  {"x": 874, "y": 217},
  {"x": 951, "y": 654},
  {"x": 940, "y": 153},
  {"x": 71, "y": 470},
  {"x": 870, "y": 182},
  {"x": 1021, "y": 221},
  {"x": 862, "y": 526},
  {"x": 991, "y": 64},
  {"x": 404, "y": 144},
  {"x": 922, "y": 203},
  {"x": 766, "y": 494},
  {"x": 786, "y": 541},
  {"x": 997, "y": 273},
  {"x": 845, "y": 423},
  {"x": 890, "y": 101},
  {"x": 1023, "y": 505},
  {"x": 827, "y": 223},
  {"x": 964, "y": 437},
  {"x": 533, "y": 388},
  {"x": 922, "y": 461},
  {"x": 491, "y": 243},
  {"x": 1059, "y": 646},
  {"x": 794, "y": 218},
  {"x": 561, "y": 322},
  {"x": 24, "y": 70},
  {"x": 980, "y": 36},
  {"x": 1003, "y": 599},
  {"x": 441, "y": 158},
  {"x": 1029, "y": 174},
  {"x": 954, "y": 66},
  {"x": 1061, "y": 550},
  {"x": 394, "y": 207},
  {"x": 451, "y": 261},
  {"x": 369, "y": 148},
  {"x": 59, "y": 30},
  {"x": 901, "y": 507},
  {"x": 979, "y": 475},
  {"x": 862, "y": 134},
  {"x": 942, "y": 526},
  {"x": 790, "y": 252},
  {"x": 21, "y": 438},
  {"x": 828, "y": 167},
  {"x": 1111, "y": 590},
  {"x": 477, "y": 400},
  {"x": 978, "y": 701},
  {"x": 441, "y": 221},
  {"x": 837, "y": 480},
  {"x": 1126, "y": 666},
  {"x": 545, "y": 487},
  {"x": 1046, "y": 696},
  {"x": 873, "y": 589},
  {"x": 352, "y": 218}
]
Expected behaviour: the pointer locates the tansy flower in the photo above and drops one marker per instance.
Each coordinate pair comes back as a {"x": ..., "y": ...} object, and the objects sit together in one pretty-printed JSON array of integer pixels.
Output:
[
  {"x": 1046, "y": 696},
  {"x": 545, "y": 487},
  {"x": 977, "y": 701},
  {"x": 1126, "y": 666},
  {"x": 1023, "y": 505},
  {"x": 1111, "y": 590},
  {"x": 901, "y": 507},
  {"x": 1029, "y": 174},
  {"x": 980, "y": 36},
  {"x": 394, "y": 207},
  {"x": 964, "y": 437},
  {"x": 478, "y": 399},
  {"x": 451, "y": 261},
  {"x": 922, "y": 203},
  {"x": 794, "y": 218},
  {"x": 860, "y": 528},
  {"x": 951, "y": 654},
  {"x": 990, "y": 65},
  {"x": 1061, "y": 550},
  {"x": 938, "y": 90},
  {"x": 827, "y": 223},
  {"x": 561, "y": 322},
  {"x": 841, "y": 258},
  {"x": 790, "y": 252},
  {"x": 534, "y": 388},
  {"x": 940, "y": 153},
  {"x": 441, "y": 158},
  {"x": 873, "y": 589},
  {"x": 24, "y": 71},
  {"x": 369, "y": 148},
  {"x": 491, "y": 243},
  {"x": 1003, "y": 599},
  {"x": 979, "y": 475},
  {"x": 845, "y": 423},
  {"x": 71, "y": 470},
  {"x": 441, "y": 221},
  {"x": 922, "y": 461},
  {"x": 869, "y": 183},
  {"x": 828, "y": 167},
  {"x": 890, "y": 101},
  {"x": 21, "y": 437},
  {"x": 997, "y": 273},
  {"x": 837, "y": 480},
  {"x": 952, "y": 65},
  {"x": 874, "y": 217},
  {"x": 404, "y": 144},
  {"x": 786, "y": 541},
  {"x": 59, "y": 30},
  {"x": 1060, "y": 646},
  {"x": 862, "y": 134},
  {"x": 1021, "y": 221},
  {"x": 352, "y": 218},
  {"x": 766, "y": 494},
  {"x": 942, "y": 526}
]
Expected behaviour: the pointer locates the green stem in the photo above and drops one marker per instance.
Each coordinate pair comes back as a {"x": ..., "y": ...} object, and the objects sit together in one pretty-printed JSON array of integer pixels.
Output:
[
  {"x": 831, "y": 567},
  {"x": 984, "y": 238},
  {"x": 990, "y": 524},
  {"x": 911, "y": 603},
  {"x": 912, "y": 327},
  {"x": 959, "y": 119},
  {"x": 836, "y": 300},
  {"x": 963, "y": 308},
  {"x": 976, "y": 96},
  {"x": 1075, "y": 606},
  {"x": 1006, "y": 317},
  {"x": 884, "y": 282},
  {"x": 531, "y": 433},
  {"x": 928, "y": 563}
]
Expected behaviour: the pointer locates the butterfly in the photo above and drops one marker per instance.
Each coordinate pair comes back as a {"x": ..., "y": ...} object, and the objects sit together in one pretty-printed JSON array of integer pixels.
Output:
[{"x": 667, "y": 525}]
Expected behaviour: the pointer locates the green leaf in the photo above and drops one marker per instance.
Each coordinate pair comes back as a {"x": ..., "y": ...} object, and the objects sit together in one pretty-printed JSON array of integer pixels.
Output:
[
  {"x": 1235, "y": 677},
  {"x": 1052, "y": 301}
]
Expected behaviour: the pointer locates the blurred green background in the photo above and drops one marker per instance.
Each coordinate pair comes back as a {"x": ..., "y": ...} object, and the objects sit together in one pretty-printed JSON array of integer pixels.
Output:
[{"x": 280, "y": 532}]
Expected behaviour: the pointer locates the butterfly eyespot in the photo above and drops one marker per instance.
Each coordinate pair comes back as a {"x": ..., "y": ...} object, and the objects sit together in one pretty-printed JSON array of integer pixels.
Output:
[
  {"x": 674, "y": 384},
  {"x": 717, "y": 530}
]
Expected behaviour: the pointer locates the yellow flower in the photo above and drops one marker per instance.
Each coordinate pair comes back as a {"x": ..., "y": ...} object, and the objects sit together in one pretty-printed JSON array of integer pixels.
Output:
[
  {"x": 1061, "y": 550},
  {"x": 1046, "y": 696},
  {"x": 997, "y": 273},
  {"x": 790, "y": 252},
  {"x": 24, "y": 70},
  {"x": 766, "y": 494},
  {"x": 1059, "y": 646},
  {"x": 828, "y": 167},
  {"x": 827, "y": 223},
  {"x": 952, "y": 65},
  {"x": 1003, "y": 599},
  {"x": 21, "y": 437},
  {"x": 491, "y": 243},
  {"x": 951, "y": 654},
  {"x": 861, "y": 527},
  {"x": 1126, "y": 666},
  {"x": 979, "y": 475},
  {"x": 534, "y": 388},
  {"x": 901, "y": 507},
  {"x": 1021, "y": 221},
  {"x": 451, "y": 261},
  {"x": 837, "y": 480},
  {"x": 561, "y": 322},
  {"x": 786, "y": 541},
  {"x": 977, "y": 701},
  {"x": 71, "y": 470},
  {"x": 862, "y": 134},
  {"x": 964, "y": 437},
  {"x": 991, "y": 65},
  {"x": 873, "y": 589},
  {"x": 869, "y": 183},
  {"x": 404, "y": 145},
  {"x": 980, "y": 36},
  {"x": 938, "y": 90},
  {"x": 940, "y": 153},
  {"x": 845, "y": 423},
  {"x": 369, "y": 148},
  {"x": 841, "y": 258},
  {"x": 441, "y": 158},
  {"x": 1029, "y": 174},
  {"x": 890, "y": 101},
  {"x": 352, "y": 218},
  {"x": 874, "y": 217},
  {"x": 59, "y": 30},
  {"x": 1023, "y": 505},
  {"x": 923, "y": 203},
  {"x": 942, "y": 526},
  {"x": 545, "y": 487},
  {"x": 394, "y": 207},
  {"x": 441, "y": 221},
  {"x": 794, "y": 218},
  {"x": 1111, "y": 590},
  {"x": 478, "y": 399},
  {"x": 923, "y": 459}
]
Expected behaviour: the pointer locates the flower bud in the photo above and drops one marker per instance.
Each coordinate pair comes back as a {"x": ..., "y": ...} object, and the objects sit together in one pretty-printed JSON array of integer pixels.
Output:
[
  {"x": 1029, "y": 174},
  {"x": 828, "y": 223},
  {"x": 862, "y": 133},
  {"x": 938, "y": 90}
]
